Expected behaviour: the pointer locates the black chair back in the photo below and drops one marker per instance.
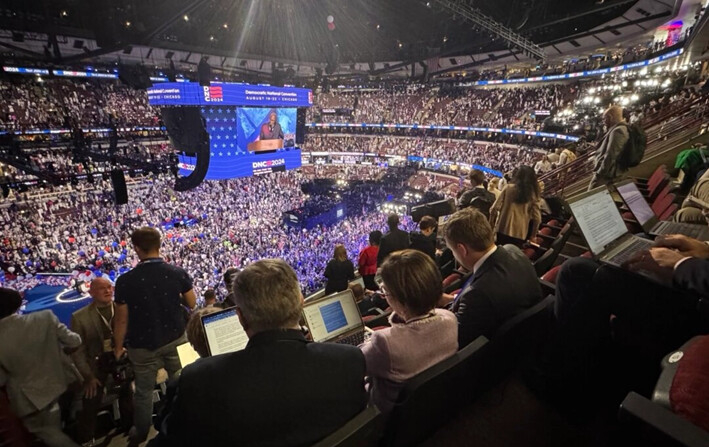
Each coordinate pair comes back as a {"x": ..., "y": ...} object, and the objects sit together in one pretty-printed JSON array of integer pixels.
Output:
[
  {"x": 364, "y": 430},
  {"x": 429, "y": 400},
  {"x": 547, "y": 260},
  {"x": 519, "y": 337},
  {"x": 653, "y": 425}
]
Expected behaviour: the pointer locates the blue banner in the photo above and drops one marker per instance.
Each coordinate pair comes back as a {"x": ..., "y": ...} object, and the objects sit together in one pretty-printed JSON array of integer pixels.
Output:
[
  {"x": 226, "y": 164},
  {"x": 438, "y": 164},
  {"x": 228, "y": 94},
  {"x": 85, "y": 74},
  {"x": 26, "y": 70},
  {"x": 580, "y": 74}
]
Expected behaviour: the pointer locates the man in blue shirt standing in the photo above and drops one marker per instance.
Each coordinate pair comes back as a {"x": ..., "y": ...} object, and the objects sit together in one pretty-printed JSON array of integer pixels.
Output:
[{"x": 150, "y": 321}]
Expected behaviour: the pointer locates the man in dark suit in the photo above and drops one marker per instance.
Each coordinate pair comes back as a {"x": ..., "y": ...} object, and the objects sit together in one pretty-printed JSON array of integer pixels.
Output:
[
  {"x": 94, "y": 323},
  {"x": 394, "y": 240},
  {"x": 503, "y": 281},
  {"x": 281, "y": 390},
  {"x": 477, "y": 196},
  {"x": 654, "y": 316},
  {"x": 272, "y": 129}
]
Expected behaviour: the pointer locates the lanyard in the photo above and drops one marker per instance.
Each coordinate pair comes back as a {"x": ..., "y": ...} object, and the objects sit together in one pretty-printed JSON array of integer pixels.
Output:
[
  {"x": 109, "y": 322},
  {"x": 151, "y": 261}
]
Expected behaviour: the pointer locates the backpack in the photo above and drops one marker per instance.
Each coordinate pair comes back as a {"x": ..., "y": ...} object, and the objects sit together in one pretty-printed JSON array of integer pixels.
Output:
[{"x": 634, "y": 149}]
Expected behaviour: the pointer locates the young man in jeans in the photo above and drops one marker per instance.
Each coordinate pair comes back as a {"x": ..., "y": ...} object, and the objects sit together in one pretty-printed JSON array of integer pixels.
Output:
[{"x": 150, "y": 322}]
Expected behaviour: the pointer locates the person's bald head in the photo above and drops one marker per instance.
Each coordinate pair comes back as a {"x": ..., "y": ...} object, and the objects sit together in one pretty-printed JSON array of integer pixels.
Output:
[
  {"x": 101, "y": 290},
  {"x": 612, "y": 116}
]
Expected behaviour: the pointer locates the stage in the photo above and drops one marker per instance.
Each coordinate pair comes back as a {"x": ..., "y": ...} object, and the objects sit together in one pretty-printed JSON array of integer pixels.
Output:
[{"x": 63, "y": 302}]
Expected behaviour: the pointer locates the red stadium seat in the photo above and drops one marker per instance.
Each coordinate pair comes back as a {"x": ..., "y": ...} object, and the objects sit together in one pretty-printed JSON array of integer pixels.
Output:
[
  {"x": 669, "y": 212},
  {"x": 551, "y": 275}
]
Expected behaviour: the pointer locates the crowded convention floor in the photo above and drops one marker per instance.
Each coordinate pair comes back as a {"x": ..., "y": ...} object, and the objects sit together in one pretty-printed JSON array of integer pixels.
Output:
[{"x": 352, "y": 234}]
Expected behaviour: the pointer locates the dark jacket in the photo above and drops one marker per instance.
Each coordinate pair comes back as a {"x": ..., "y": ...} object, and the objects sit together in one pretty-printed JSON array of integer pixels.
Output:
[
  {"x": 479, "y": 198},
  {"x": 426, "y": 244},
  {"x": 394, "y": 240},
  {"x": 693, "y": 275},
  {"x": 338, "y": 274},
  {"x": 281, "y": 390},
  {"x": 503, "y": 286}
]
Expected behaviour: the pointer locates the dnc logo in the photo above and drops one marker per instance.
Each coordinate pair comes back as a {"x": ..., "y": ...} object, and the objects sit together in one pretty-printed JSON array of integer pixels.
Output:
[{"x": 213, "y": 94}]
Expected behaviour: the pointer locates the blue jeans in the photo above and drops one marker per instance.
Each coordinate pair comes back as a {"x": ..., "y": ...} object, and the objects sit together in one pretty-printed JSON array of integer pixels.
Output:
[{"x": 146, "y": 365}]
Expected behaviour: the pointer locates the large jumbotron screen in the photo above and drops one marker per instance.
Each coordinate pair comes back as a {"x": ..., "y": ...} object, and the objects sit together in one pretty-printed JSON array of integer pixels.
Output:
[{"x": 243, "y": 140}]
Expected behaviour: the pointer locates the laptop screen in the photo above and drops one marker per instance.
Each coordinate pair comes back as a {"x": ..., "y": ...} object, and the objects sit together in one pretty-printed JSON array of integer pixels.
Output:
[
  {"x": 187, "y": 354},
  {"x": 224, "y": 332},
  {"x": 599, "y": 219},
  {"x": 332, "y": 316},
  {"x": 636, "y": 202},
  {"x": 359, "y": 281}
]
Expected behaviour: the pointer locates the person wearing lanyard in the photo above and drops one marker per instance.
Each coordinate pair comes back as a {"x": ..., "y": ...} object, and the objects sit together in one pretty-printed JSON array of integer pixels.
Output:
[
  {"x": 94, "y": 323},
  {"x": 150, "y": 320}
]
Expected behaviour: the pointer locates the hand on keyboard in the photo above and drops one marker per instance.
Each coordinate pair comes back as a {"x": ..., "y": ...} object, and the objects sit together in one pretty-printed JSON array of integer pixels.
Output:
[
  {"x": 685, "y": 245},
  {"x": 656, "y": 261}
]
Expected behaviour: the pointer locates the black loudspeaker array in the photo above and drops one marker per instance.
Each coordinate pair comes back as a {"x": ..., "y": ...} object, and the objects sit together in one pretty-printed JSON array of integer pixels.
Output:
[
  {"x": 433, "y": 209},
  {"x": 135, "y": 76},
  {"x": 188, "y": 133},
  {"x": 119, "y": 186},
  {"x": 300, "y": 128},
  {"x": 204, "y": 72}
]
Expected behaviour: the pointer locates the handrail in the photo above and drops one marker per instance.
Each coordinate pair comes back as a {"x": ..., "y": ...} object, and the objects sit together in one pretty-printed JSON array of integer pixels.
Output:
[{"x": 686, "y": 116}]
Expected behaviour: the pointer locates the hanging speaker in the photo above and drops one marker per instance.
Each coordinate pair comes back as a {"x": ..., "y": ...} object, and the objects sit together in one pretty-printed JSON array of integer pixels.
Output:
[
  {"x": 188, "y": 134},
  {"x": 300, "y": 126},
  {"x": 119, "y": 186}
]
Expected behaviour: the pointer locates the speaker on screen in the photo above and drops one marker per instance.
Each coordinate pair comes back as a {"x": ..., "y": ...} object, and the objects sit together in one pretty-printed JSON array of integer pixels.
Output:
[
  {"x": 119, "y": 186},
  {"x": 300, "y": 126},
  {"x": 188, "y": 133}
]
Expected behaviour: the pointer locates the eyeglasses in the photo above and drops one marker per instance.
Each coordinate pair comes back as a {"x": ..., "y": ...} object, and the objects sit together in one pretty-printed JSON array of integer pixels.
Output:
[{"x": 382, "y": 289}]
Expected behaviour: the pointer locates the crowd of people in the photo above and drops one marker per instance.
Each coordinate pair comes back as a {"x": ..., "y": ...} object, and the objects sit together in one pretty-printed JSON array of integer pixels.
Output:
[
  {"x": 490, "y": 155},
  {"x": 81, "y": 230},
  {"x": 478, "y": 107},
  {"x": 54, "y": 103}
]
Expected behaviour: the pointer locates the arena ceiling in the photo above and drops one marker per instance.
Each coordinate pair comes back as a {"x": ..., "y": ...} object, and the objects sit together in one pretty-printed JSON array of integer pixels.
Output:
[{"x": 308, "y": 31}]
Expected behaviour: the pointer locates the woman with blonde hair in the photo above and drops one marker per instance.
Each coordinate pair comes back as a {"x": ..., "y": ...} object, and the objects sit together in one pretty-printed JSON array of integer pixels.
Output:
[{"x": 339, "y": 271}]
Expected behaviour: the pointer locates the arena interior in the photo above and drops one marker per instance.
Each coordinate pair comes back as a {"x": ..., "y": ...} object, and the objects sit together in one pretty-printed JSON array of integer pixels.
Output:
[{"x": 354, "y": 223}]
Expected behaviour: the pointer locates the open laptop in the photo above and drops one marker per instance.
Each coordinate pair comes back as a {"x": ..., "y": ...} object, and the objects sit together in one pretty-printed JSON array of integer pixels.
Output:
[
  {"x": 645, "y": 216},
  {"x": 335, "y": 318},
  {"x": 224, "y": 332},
  {"x": 603, "y": 227},
  {"x": 358, "y": 280}
]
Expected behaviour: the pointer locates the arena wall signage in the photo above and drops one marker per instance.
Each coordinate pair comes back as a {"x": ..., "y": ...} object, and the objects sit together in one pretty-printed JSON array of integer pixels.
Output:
[{"x": 579, "y": 74}]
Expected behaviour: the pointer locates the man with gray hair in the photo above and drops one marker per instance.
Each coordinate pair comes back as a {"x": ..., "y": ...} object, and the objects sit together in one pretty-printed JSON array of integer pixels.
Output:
[
  {"x": 606, "y": 169},
  {"x": 281, "y": 390}
]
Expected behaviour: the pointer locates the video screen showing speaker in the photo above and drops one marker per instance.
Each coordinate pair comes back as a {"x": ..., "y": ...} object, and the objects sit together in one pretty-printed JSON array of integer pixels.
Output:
[
  {"x": 266, "y": 129},
  {"x": 246, "y": 141}
]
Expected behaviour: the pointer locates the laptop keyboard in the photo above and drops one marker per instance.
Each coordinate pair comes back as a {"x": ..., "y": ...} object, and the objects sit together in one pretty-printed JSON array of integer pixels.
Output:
[
  {"x": 693, "y": 231},
  {"x": 628, "y": 252},
  {"x": 354, "y": 339}
]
